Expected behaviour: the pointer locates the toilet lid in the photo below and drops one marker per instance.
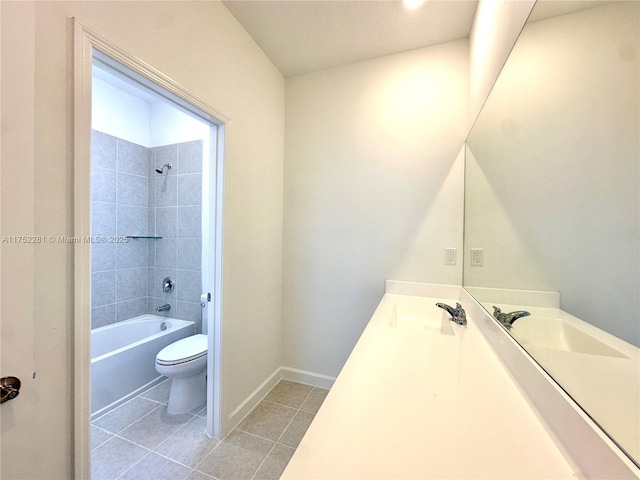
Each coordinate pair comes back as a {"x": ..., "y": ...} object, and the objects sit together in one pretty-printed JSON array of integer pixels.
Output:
[{"x": 188, "y": 348}]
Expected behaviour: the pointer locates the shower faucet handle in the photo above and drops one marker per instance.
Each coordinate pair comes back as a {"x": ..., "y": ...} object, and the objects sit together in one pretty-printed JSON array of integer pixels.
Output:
[{"x": 168, "y": 285}]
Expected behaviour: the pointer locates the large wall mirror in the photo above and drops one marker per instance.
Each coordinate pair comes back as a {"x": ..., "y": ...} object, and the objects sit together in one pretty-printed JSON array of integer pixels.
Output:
[{"x": 552, "y": 204}]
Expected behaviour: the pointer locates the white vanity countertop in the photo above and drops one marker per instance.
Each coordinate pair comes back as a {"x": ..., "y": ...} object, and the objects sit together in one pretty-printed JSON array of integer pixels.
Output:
[{"x": 417, "y": 404}]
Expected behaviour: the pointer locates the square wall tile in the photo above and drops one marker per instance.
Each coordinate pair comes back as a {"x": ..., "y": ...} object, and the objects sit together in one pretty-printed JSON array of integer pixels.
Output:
[
  {"x": 166, "y": 253},
  {"x": 190, "y": 157},
  {"x": 131, "y": 283},
  {"x": 189, "y": 253},
  {"x": 103, "y": 288},
  {"x": 151, "y": 192},
  {"x": 189, "y": 285},
  {"x": 132, "y": 158},
  {"x": 190, "y": 311},
  {"x": 190, "y": 189},
  {"x": 131, "y": 309},
  {"x": 132, "y": 220},
  {"x": 166, "y": 222},
  {"x": 103, "y": 150},
  {"x": 190, "y": 222},
  {"x": 151, "y": 222},
  {"x": 133, "y": 190},
  {"x": 103, "y": 184},
  {"x": 103, "y": 257},
  {"x": 166, "y": 191},
  {"x": 151, "y": 282},
  {"x": 103, "y": 219},
  {"x": 103, "y": 315},
  {"x": 134, "y": 253}
]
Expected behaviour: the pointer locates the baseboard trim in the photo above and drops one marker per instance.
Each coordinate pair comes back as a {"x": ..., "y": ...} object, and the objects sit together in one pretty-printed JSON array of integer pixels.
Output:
[
  {"x": 302, "y": 376},
  {"x": 249, "y": 403},
  {"x": 295, "y": 375}
]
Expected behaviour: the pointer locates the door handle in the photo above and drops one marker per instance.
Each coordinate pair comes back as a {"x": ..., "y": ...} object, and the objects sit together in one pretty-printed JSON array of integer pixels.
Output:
[{"x": 9, "y": 388}]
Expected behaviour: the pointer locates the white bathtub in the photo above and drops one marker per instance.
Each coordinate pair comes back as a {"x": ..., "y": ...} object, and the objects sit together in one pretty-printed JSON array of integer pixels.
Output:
[{"x": 123, "y": 358}]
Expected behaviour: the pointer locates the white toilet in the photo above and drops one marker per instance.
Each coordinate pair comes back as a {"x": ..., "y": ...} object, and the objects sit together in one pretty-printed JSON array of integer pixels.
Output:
[{"x": 185, "y": 362}]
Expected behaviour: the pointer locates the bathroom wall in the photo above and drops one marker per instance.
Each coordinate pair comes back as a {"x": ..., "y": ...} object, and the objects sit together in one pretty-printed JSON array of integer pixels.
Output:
[
  {"x": 118, "y": 112},
  {"x": 130, "y": 198},
  {"x": 175, "y": 214},
  {"x": 201, "y": 46},
  {"x": 373, "y": 191},
  {"x": 496, "y": 27},
  {"x": 119, "y": 207},
  {"x": 533, "y": 138}
]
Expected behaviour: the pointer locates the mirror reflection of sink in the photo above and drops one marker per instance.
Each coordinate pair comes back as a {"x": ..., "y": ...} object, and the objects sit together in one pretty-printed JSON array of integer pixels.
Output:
[
  {"x": 421, "y": 317},
  {"x": 556, "y": 334}
]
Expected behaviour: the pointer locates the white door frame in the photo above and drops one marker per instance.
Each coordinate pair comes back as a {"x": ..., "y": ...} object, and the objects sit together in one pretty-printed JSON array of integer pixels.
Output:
[{"x": 85, "y": 43}]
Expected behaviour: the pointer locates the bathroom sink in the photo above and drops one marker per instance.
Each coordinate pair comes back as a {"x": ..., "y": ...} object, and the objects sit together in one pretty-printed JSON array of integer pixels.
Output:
[
  {"x": 421, "y": 317},
  {"x": 556, "y": 334}
]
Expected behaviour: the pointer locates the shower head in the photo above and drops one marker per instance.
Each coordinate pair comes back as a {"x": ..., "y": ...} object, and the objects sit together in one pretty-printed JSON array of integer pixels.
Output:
[{"x": 161, "y": 169}]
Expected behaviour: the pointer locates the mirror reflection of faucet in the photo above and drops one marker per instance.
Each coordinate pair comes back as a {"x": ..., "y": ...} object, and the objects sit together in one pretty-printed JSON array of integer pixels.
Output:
[
  {"x": 458, "y": 314},
  {"x": 507, "y": 319}
]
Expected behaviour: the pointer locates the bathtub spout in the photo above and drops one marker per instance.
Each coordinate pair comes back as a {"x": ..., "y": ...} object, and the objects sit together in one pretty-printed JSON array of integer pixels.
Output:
[{"x": 163, "y": 308}]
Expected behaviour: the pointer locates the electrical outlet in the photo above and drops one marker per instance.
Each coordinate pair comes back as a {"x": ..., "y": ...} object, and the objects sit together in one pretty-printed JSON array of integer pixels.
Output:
[
  {"x": 477, "y": 257},
  {"x": 449, "y": 256}
]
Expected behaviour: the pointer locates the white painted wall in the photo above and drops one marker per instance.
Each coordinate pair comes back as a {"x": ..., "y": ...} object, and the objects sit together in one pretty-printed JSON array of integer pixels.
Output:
[
  {"x": 373, "y": 191},
  {"x": 496, "y": 27},
  {"x": 553, "y": 194},
  {"x": 202, "y": 47},
  {"x": 147, "y": 123},
  {"x": 119, "y": 113},
  {"x": 168, "y": 125}
]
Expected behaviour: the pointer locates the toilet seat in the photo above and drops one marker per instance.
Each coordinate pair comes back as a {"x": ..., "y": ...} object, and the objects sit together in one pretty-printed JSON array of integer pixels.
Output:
[{"x": 185, "y": 350}]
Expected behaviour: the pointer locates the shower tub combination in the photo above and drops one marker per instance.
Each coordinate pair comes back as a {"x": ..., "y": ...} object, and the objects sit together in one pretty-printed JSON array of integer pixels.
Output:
[{"x": 123, "y": 358}]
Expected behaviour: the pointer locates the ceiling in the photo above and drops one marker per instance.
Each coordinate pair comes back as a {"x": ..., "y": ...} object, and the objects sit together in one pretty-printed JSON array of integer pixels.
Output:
[{"x": 302, "y": 36}]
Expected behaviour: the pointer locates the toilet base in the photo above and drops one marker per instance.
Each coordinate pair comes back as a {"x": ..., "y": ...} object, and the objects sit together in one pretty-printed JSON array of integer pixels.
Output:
[{"x": 187, "y": 393}]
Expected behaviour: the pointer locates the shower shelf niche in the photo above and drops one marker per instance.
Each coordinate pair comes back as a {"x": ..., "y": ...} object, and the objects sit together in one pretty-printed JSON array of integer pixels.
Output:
[{"x": 150, "y": 237}]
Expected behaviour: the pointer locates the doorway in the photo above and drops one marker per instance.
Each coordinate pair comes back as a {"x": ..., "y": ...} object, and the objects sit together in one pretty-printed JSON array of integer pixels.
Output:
[{"x": 148, "y": 187}]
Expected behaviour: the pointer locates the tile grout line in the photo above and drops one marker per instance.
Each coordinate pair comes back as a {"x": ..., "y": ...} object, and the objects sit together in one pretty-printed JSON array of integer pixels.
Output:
[
  {"x": 283, "y": 432},
  {"x": 150, "y": 451},
  {"x": 192, "y": 417},
  {"x": 130, "y": 424},
  {"x": 134, "y": 464}
]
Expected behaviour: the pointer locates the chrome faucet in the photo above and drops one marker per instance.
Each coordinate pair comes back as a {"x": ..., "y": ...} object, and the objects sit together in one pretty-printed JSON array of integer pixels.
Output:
[
  {"x": 163, "y": 308},
  {"x": 507, "y": 319},
  {"x": 458, "y": 314}
]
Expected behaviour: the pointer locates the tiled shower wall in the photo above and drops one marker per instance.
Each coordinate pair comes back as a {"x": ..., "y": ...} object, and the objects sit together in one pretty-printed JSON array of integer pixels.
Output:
[{"x": 128, "y": 197}]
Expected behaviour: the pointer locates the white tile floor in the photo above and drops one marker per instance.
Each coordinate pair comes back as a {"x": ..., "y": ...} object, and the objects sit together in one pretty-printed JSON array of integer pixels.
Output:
[{"x": 140, "y": 440}]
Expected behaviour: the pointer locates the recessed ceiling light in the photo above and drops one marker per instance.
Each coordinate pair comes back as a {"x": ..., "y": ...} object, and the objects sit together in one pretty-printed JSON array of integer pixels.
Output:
[{"x": 412, "y": 4}]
